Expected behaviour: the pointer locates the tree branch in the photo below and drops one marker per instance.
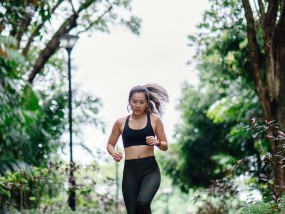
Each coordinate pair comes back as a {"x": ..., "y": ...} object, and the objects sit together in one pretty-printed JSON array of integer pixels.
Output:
[
  {"x": 279, "y": 53},
  {"x": 94, "y": 22},
  {"x": 38, "y": 28},
  {"x": 262, "y": 11},
  {"x": 261, "y": 89},
  {"x": 269, "y": 26},
  {"x": 73, "y": 10},
  {"x": 23, "y": 27},
  {"x": 271, "y": 14},
  {"x": 85, "y": 5},
  {"x": 53, "y": 44}
]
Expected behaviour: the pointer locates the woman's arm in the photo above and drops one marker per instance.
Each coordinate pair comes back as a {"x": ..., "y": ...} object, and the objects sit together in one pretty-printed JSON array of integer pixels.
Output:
[
  {"x": 161, "y": 140},
  {"x": 115, "y": 134},
  {"x": 161, "y": 136}
]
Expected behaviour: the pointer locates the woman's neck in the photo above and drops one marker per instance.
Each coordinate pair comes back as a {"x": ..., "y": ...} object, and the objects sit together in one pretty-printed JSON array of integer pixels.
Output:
[{"x": 140, "y": 116}]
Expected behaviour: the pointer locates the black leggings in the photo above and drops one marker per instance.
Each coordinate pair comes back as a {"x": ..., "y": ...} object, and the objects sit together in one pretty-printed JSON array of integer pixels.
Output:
[{"x": 141, "y": 180}]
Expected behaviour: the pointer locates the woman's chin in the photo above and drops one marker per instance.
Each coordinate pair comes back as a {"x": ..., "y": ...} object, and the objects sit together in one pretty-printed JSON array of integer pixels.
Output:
[{"x": 137, "y": 112}]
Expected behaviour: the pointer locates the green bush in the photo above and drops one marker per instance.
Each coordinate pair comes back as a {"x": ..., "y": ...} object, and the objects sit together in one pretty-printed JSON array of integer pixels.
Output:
[
  {"x": 46, "y": 190},
  {"x": 264, "y": 208},
  {"x": 23, "y": 189}
]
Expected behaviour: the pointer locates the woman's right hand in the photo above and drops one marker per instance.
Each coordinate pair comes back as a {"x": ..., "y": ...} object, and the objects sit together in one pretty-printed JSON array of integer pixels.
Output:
[{"x": 117, "y": 156}]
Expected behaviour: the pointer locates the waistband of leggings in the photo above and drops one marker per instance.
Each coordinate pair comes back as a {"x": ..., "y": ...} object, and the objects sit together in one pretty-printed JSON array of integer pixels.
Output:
[{"x": 141, "y": 162}]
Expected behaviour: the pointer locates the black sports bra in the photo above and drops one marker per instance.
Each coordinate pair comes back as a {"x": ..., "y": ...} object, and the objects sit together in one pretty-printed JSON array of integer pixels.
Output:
[{"x": 135, "y": 137}]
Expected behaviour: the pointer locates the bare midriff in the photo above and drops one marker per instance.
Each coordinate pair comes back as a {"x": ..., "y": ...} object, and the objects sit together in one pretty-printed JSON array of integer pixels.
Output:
[{"x": 136, "y": 152}]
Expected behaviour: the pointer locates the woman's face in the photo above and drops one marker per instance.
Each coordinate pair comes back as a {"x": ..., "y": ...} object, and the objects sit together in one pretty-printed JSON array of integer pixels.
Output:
[{"x": 138, "y": 103}]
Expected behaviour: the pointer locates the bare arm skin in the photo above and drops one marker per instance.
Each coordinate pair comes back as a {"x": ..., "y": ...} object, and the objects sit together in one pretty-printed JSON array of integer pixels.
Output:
[
  {"x": 115, "y": 134},
  {"x": 161, "y": 136}
]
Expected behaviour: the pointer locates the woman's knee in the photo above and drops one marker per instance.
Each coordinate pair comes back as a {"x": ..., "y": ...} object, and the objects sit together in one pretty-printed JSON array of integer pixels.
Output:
[{"x": 143, "y": 204}]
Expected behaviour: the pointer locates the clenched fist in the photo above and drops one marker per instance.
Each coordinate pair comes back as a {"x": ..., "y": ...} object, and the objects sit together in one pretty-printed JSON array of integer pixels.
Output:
[{"x": 117, "y": 156}]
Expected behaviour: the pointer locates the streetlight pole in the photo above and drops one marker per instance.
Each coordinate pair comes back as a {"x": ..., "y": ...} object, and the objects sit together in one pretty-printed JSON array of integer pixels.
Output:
[
  {"x": 117, "y": 185},
  {"x": 72, "y": 196},
  {"x": 166, "y": 191},
  {"x": 117, "y": 188},
  {"x": 166, "y": 204},
  {"x": 68, "y": 41}
]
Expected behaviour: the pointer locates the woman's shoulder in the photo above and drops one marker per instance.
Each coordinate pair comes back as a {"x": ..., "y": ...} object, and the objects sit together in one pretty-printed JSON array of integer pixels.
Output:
[
  {"x": 155, "y": 118},
  {"x": 121, "y": 120}
]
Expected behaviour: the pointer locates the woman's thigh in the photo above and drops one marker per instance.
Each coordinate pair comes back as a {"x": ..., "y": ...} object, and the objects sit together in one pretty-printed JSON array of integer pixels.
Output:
[
  {"x": 131, "y": 188},
  {"x": 149, "y": 185}
]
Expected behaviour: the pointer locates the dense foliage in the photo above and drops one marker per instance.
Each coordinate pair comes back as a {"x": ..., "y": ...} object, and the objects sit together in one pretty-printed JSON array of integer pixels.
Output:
[
  {"x": 44, "y": 190},
  {"x": 238, "y": 54},
  {"x": 33, "y": 89},
  {"x": 211, "y": 137}
]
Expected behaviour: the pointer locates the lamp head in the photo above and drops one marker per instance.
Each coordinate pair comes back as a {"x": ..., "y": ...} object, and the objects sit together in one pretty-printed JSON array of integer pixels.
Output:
[{"x": 68, "y": 41}]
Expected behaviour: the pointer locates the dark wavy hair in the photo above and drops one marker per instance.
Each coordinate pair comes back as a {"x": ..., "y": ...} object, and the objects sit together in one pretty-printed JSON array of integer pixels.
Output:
[{"x": 155, "y": 95}]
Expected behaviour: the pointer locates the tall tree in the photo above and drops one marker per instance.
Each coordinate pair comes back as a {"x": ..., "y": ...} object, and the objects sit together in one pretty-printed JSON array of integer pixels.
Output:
[
  {"x": 255, "y": 55},
  {"x": 268, "y": 17},
  {"x": 211, "y": 137}
]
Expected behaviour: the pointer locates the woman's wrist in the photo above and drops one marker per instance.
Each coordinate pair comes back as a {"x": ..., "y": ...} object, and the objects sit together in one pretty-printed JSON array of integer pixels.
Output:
[{"x": 158, "y": 143}]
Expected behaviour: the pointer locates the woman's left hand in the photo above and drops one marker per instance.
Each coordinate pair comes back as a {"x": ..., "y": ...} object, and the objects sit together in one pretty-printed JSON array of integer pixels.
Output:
[{"x": 152, "y": 141}]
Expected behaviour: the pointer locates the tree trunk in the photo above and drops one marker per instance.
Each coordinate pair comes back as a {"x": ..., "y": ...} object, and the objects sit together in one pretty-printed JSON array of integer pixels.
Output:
[
  {"x": 279, "y": 75},
  {"x": 269, "y": 89},
  {"x": 279, "y": 57}
]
